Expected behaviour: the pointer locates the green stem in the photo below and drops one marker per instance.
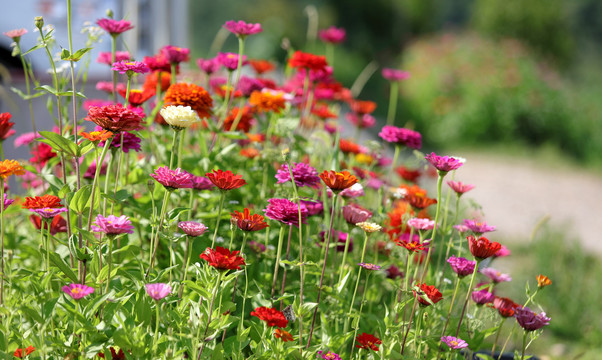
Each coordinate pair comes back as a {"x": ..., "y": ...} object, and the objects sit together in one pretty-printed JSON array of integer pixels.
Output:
[
  {"x": 395, "y": 157},
  {"x": 451, "y": 305},
  {"x": 219, "y": 216},
  {"x": 497, "y": 336},
  {"x": 174, "y": 148},
  {"x": 127, "y": 91},
  {"x": 393, "y": 102},
  {"x": 99, "y": 163},
  {"x": 277, "y": 261},
  {"x": 344, "y": 261},
  {"x": 359, "y": 315},
  {"x": 185, "y": 274},
  {"x": 417, "y": 334},
  {"x": 109, "y": 262},
  {"x": 522, "y": 357},
  {"x": 476, "y": 269},
  {"x": 2, "y": 240},
  {"x": 434, "y": 232},
  {"x": 114, "y": 73},
  {"x": 217, "y": 283},
  {"x": 155, "y": 338},
  {"x": 156, "y": 242}
]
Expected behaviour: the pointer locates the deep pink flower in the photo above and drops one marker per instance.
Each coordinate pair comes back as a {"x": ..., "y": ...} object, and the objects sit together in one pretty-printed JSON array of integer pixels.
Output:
[
  {"x": 192, "y": 228},
  {"x": 332, "y": 35},
  {"x": 401, "y": 136},
  {"x": 230, "y": 60},
  {"x": 208, "y": 66},
  {"x": 478, "y": 227},
  {"x": 130, "y": 141},
  {"x": 241, "y": 28},
  {"x": 114, "y": 118},
  {"x": 158, "y": 62},
  {"x": 454, "y": 343},
  {"x": 285, "y": 211},
  {"x": 362, "y": 120},
  {"x": 495, "y": 276},
  {"x": 130, "y": 67},
  {"x": 173, "y": 179},
  {"x": 158, "y": 291},
  {"x": 444, "y": 163},
  {"x": 529, "y": 320},
  {"x": 88, "y": 103},
  {"x": 394, "y": 74},
  {"x": 482, "y": 297},
  {"x": 113, "y": 225},
  {"x": 461, "y": 228},
  {"x": 7, "y": 202},
  {"x": 91, "y": 171},
  {"x": 106, "y": 57},
  {"x": 175, "y": 55},
  {"x": 503, "y": 251},
  {"x": 106, "y": 86},
  {"x": 114, "y": 27},
  {"x": 48, "y": 213},
  {"x": 26, "y": 139},
  {"x": 329, "y": 355},
  {"x": 421, "y": 224},
  {"x": 313, "y": 207},
  {"x": 461, "y": 266},
  {"x": 341, "y": 239},
  {"x": 15, "y": 34},
  {"x": 354, "y": 213},
  {"x": 303, "y": 174},
  {"x": 77, "y": 291},
  {"x": 201, "y": 183},
  {"x": 393, "y": 272}
]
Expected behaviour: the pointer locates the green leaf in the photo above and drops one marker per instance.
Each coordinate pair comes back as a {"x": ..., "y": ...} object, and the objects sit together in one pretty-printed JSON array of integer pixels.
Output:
[
  {"x": 49, "y": 89},
  {"x": 65, "y": 54},
  {"x": 24, "y": 96},
  {"x": 59, "y": 143},
  {"x": 70, "y": 93},
  {"x": 79, "y": 54},
  {"x": 85, "y": 147},
  {"x": 82, "y": 199},
  {"x": 38, "y": 46},
  {"x": 62, "y": 265}
]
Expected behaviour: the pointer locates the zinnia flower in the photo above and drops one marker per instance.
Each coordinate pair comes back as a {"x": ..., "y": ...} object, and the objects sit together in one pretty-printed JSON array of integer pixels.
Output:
[
  {"x": 459, "y": 187},
  {"x": 395, "y": 74},
  {"x": 454, "y": 343},
  {"x": 113, "y": 225},
  {"x": 495, "y": 276},
  {"x": 230, "y": 60},
  {"x": 130, "y": 142},
  {"x": 543, "y": 281},
  {"x": 444, "y": 164},
  {"x": 247, "y": 222},
  {"x": 401, "y": 136},
  {"x": 303, "y": 174},
  {"x": 354, "y": 213},
  {"x": 157, "y": 291},
  {"x": 369, "y": 266},
  {"x": 529, "y": 320},
  {"x": 241, "y": 28},
  {"x": 285, "y": 211},
  {"x": 114, "y": 118},
  {"x": 15, "y": 34},
  {"x": 192, "y": 228},
  {"x": 338, "y": 181},
  {"x": 271, "y": 316},
  {"x": 57, "y": 225},
  {"x": 137, "y": 97},
  {"x": 174, "y": 54},
  {"x": 48, "y": 213},
  {"x": 106, "y": 57},
  {"x": 461, "y": 266},
  {"x": 6, "y": 203},
  {"x": 173, "y": 179},
  {"x": 179, "y": 117},
  {"x": 225, "y": 180},
  {"x": 20, "y": 353},
  {"x": 428, "y": 291},
  {"x": 367, "y": 341},
  {"x": 369, "y": 227},
  {"x": 40, "y": 202},
  {"x": 482, "y": 248},
  {"x": 5, "y": 126},
  {"x": 77, "y": 291},
  {"x": 332, "y": 35},
  {"x": 505, "y": 306},
  {"x": 114, "y": 27},
  {"x": 130, "y": 67},
  {"x": 208, "y": 66},
  {"x": 10, "y": 167},
  {"x": 421, "y": 224},
  {"x": 95, "y": 136},
  {"x": 189, "y": 95},
  {"x": 310, "y": 61},
  {"x": 283, "y": 335},
  {"x": 201, "y": 183},
  {"x": 261, "y": 66},
  {"x": 222, "y": 259},
  {"x": 268, "y": 100},
  {"x": 482, "y": 297}
]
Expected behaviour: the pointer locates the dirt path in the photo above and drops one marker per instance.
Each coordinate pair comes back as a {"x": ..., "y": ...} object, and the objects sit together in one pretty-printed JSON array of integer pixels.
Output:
[{"x": 515, "y": 194}]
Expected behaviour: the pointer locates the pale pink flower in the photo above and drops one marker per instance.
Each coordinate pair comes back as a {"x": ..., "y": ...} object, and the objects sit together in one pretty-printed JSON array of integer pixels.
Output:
[{"x": 158, "y": 291}]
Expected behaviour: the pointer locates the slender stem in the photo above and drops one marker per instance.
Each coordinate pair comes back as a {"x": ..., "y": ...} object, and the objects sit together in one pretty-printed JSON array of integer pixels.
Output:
[
  {"x": 403, "y": 344},
  {"x": 219, "y": 216},
  {"x": 219, "y": 278},
  {"x": 47, "y": 244},
  {"x": 288, "y": 249},
  {"x": 99, "y": 162},
  {"x": 522, "y": 357},
  {"x": 109, "y": 261},
  {"x": 277, "y": 262},
  {"x": 451, "y": 305},
  {"x": 392, "y": 102},
  {"x": 395, "y": 157},
  {"x": 174, "y": 148},
  {"x": 344, "y": 261},
  {"x": 357, "y": 283},
  {"x": 185, "y": 274},
  {"x": 497, "y": 336},
  {"x": 2, "y": 240},
  {"x": 506, "y": 342},
  {"x": 434, "y": 232},
  {"x": 114, "y": 73},
  {"x": 155, "y": 338},
  {"x": 163, "y": 209},
  {"x": 359, "y": 315},
  {"x": 476, "y": 268}
]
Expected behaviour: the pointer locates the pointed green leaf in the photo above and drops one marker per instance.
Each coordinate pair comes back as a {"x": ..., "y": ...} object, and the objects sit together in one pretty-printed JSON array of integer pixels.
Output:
[{"x": 62, "y": 265}]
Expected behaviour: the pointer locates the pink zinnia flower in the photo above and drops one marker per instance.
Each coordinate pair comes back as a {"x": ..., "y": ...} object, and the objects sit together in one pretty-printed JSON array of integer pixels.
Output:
[
  {"x": 113, "y": 225},
  {"x": 26, "y": 139},
  {"x": 478, "y": 227},
  {"x": 201, "y": 183},
  {"x": 482, "y": 297},
  {"x": 394, "y": 74},
  {"x": 332, "y": 35},
  {"x": 48, "y": 213},
  {"x": 241, "y": 28},
  {"x": 7, "y": 202},
  {"x": 369, "y": 266},
  {"x": 158, "y": 291},
  {"x": 356, "y": 190},
  {"x": 362, "y": 120},
  {"x": 503, "y": 251},
  {"x": 130, "y": 141},
  {"x": 285, "y": 211},
  {"x": 329, "y": 355},
  {"x": 461, "y": 266},
  {"x": 130, "y": 67},
  {"x": 114, "y": 118},
  {"x": 454, "y": 343},
  {"x": 114, "y": 27},
  {"x": 313, "y": 207},
  {"x": 354, "y": 214},
  {"x": 175, "y": 55},
  {"x": 173, "y": 179},
  {"x": 106, "y": 57},
  {"x": 208, "y": 66},
  {"x": 77, "y": 291},
  {"x": 15, "y": 34},
  {"x": 421, "y": 224},
  {"x": 529, "y": 320},
  {"x": 444, "y": 164},
  {"x": 401, "y": 136},
  {"x": 230, "y": 60},
  {"x": 91, "y": 171},
  {"x": 303, "y": 174},
  {"x": 192, "y": 228},
  {"x": 459, "y": 187},
  {"x": 105, "y": 86},
  {"x": 495, "y": 276},
  {"x": 461, "y": 228}
]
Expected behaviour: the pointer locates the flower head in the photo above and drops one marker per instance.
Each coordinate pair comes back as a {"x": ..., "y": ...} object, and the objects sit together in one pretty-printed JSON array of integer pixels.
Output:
[
  {"x": 303, "y": 174},
  {"x": 15, "y": 34},
  {"x": 268, "y": 100},
  {"x": 130, "y": 67},
  {"x": 444, "y": 164},
  {"x": 354, "y": 214},
  {"x": 543, "y": 281},
  {"x": 77, "y": 291},
  {"x": 230, "y": 60},
  {"x": 48, "y": 213},
  {"x": 174, "y": 54},
  {"x": 189, "y": 95},
  {"x": 421, "y": 224},
  {"x": 179, "y": 117},
  {"x": 369, "y": 227},
  {"x": 223, "y": 259},
  {"x": 113, "y": 225},
  {"x": 338, "y": 181},
  {"x": 20, "y": 353},
  {"x": 285, "y": 211},
  {"x": 461, "y": 266},
  {"x": 130, "y": 141},
  {"x": 57, "y": 225},
  {"x": 367, "y": 341},
  {"x": 395, "y": 74},
  {"x": 401, "y": 136},
  {"x": 114, "y": 118},
  {"x": 201, "y": 183},
  {"x": 309, "y": 61},
  {"x": 208, "y": 66},
  {"x": 481, "y": 297},
  {"x": 410, "y": 246},
  {"x": 459, "y": 187},
  {"x": 261, "y": 66},
  {"x": 482, "y": 248},
  {"x": 157, "y": 291},
  {"x": 247, "y": 222},
  {"x": 192, "y": 228},
  {"x": 10, "y": 167},
  {"x": 454, "y": 343},
  {"x": 225, "y": 180},
  {"x": 369, "y": 266},
  {"x": 114, "y": 27},
  {"x": 241, "y": 28},
  {"x": 429, "y": 292},
  {"x": 173, "y": 179},
  {"x": 495, "y": 276},
  {"x": 505, "y": 306},
  {"x": 529, "y": 320},
  {"x": 6, "y": 202},
  {"x": 271, "y": 316},
  {"x": 332, "y": 35},
  {"x": 106, "y": 57},
  {"x": 283, "y": 335},
  {"x": 5, "y": 126},
  {"x": 328, "y": 355},
  {"x": 478, "y": 227},
  {"x": 95, "y": 136}
]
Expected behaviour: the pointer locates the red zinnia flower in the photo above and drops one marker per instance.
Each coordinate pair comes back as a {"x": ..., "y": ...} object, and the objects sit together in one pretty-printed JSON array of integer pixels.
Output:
[
  {"x": 430, "y": 291},
  {"x": 411, "y": 246},
  {"x": 42, "y": 153},
  {"x": 261, "y": 66},
  {"x": 505, "y": 306},
  {"x": 408, "y": 174},
  {"x": 306, "y": 60},
  {"x": 362, "y": 107},
  {"x": 58, "y": 224},
  {"x": 223, "y": 259},
  {"x": 40, "y": 202},
  {"x": 419, "y": 201},
  {"x": 271, "y": 316},
  {"x": 338, "y": 181},
  {"x": 368, "y": 341},
  {"x": 226, "y": 180},
  {"x": 348, "y": 146},
  {"x": 20, "y": 353},
  {"x": 283, "y": 335},
  {"x": 244, "y": 122},
  {"x": 5, "y": 126},
  {"x": 138, "y": 97},
  {"x": 482, "y": 248},
  {"x": 247, "y": 222},
  {"x": 114, "y": 118}
]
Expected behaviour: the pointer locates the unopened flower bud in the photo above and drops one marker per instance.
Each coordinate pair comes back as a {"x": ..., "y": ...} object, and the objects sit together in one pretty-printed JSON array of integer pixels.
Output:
[
  {"x": 109, "y": 13},
  {"x": 39, "y": 22},
  {"x": 285, "y": 153},
  {"x": 150, "y": 184}
]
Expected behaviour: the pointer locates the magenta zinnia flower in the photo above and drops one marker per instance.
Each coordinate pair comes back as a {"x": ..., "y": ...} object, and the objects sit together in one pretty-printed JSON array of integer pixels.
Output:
[
  {"x": 48, "y": 213},
  {"x": 329, "y": 355},
  {"x": 114, "y": 27},
  {"x": 454, "y": 343},
  {"x": 174, "y": 54},
  {"x": 401, "y": 136},
  {"x": 421, "y": 224},
  {"x": 356, "y": 190},
  {"x": 394, "y": 74},
  {"x": 7, "y": 202},
  {"x": 192, "y": 228},
  {"x": 444, "y": 163},
  {"x": 208, "y": 66},
  {"x": 158, "y": 291},
  {"x": 482, "y": 297},
  {"x": 332, "y": 35},
  {"x": 130, "y": 67},
  {"x": 285, "y": 211},
  {"x": 201, "y": 183},
  {"x": 313, "y": 207},
  {"x": 130, "y": 141},
  {"x": 478, "y": 227},
  {"x": 173, "y": 179},
  {"x": 529, "y": 320},
  {"x": 106, "y": 57},
  {"x": 354, "y": 214},
  {"x": 362, "y": 120},
  {"x": 77, "y": 291},
  {"x": 241, "y": 28},
  {"x": 230, "y": 60},
  {"x": 495, "y": 276},
  {"x": 459, "y": 187},
  {"x": 369, "y": 266},
  {"x": 113, "y": 225},
  {"x": 303, "y": 174},
  {"x": 461, "y": 266}
]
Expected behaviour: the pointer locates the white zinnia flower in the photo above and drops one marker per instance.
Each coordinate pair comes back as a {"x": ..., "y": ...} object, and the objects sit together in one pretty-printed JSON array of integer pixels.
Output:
[{"x": 180, "y": 116}]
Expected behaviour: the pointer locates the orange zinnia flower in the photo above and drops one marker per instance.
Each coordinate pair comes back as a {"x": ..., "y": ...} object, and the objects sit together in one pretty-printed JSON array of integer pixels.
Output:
[
  {"x": 362, "y": 107},
  {"x": 189, "y": 95},
  {"x": 40, "y": 202},
  {"x": 10, "y": 167},
  {"x": 261, "y": 66},
  {"x": 247, "y": 222},
  {"x": 338, "y": 181},
  {"x": 283, "y": 335},
  {"x": 150, "y": 83},
  {"x": 266, "y": 100},
  {"x": 419, "y": 201},
  {"x": 249, "y": 153},
  {"x": 101, "y": 135},
  {"x": 543, "y": 281},
  {"x": 348, "y": 146},
  {"x": 245, "y": 121},
  {"x": 138, "y": 97}
]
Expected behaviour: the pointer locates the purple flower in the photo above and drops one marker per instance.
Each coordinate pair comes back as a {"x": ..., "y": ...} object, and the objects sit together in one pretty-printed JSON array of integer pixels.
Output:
[
  {"x": 174, "y": 54},
  {"x": 241, "y": 28},
  {"x": 247, "y": 85},
  {"x": 192, "y": 228},
  {"x": 444, "y": 163},
  {"x": 354, "y": 214},
  {"x": 478, "y": 227},
  {"x": 285, "y": 211},
  {"x": 394, "y": 74},
  {"x": 341, "y": 239},
  {"x": 230, "y": 60},
  {"x": 48, "y": 213},
  {"x": 130, "y": 67},
  {"x": 303, "y": 174},
  {"x": 401, "y": 136},
  {"x": 393, "y": 272},
  {"x": 201, "y": 183},
  {"x": 158, "y": 291},
  {"x": 256, "y": 246},
  {"x": 461, "y": 228},
  {"x": 421, "y": 224},
  {"x": 454, "y": 343},
  {"x": 482, "y": 297},
  {"x": 113, "y": 225},
  {"x": 328, "y": 355},
  {"x": 459, "y": 187},
  {"x": 77, "y": 291},
  {"x": 529, "y": 320},
  {"x": 369, "y": 266},
  {"x": 495, "y": 276},
  {"x": 7, "y": 202},
  {"x": 461, "y": 266},
  {"x": 130, "y": 141},
  {"x": 114, "y": 27},
  {"x": 173, "y": 179},
  {"x": 91, "y": 171},
  {"x": 332, "y": 35},
  {"x": 208, "y": 66},
  {"x": 313, "y": 207}
]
